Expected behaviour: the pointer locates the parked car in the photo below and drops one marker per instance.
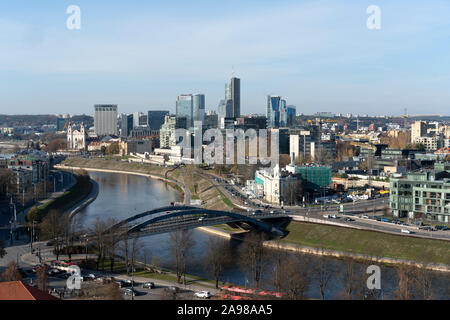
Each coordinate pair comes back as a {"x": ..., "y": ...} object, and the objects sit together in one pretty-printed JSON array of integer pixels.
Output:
[
  {"x": 203, "y": 294},
  {"x": 148, "y": 285},
  {"x": 348, "y": 219},
  {"x": 327, "y": 216}
]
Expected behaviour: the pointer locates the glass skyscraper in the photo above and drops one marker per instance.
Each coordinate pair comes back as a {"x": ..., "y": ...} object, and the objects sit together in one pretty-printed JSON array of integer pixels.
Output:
[
  {"x": 185, "y": 109},
  {"x": 156, "y": 119},
  {"x": 199, "y": 108}
]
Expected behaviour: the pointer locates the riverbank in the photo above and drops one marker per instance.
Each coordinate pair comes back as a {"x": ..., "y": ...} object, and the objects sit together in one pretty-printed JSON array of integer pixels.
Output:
[
  {"x": 326, "y": 240},
  {"x": 199, "y": 187}
]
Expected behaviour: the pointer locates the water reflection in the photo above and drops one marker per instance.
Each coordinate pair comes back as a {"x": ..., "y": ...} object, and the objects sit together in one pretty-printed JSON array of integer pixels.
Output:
[{"x": 122, "y": 196}]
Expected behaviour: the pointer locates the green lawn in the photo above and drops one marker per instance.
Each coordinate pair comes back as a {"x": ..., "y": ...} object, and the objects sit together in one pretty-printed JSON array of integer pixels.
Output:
[{"x": 368, "y": 242}]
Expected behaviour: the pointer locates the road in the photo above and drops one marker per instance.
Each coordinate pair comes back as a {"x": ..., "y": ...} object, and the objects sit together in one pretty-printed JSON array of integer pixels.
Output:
[{"x": 354, "y": 210}]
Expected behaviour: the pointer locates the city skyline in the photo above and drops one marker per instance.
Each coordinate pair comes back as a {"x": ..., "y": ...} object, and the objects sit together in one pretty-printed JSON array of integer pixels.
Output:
[{"x": 322, "y": 57}]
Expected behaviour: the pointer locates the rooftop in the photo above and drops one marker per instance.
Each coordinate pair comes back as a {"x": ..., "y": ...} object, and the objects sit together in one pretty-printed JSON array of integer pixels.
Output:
[{"x": 17, "y": 290}]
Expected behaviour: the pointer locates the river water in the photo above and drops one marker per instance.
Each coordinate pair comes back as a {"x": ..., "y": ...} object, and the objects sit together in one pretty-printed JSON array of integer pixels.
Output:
[{"x": 122, "y": 196}]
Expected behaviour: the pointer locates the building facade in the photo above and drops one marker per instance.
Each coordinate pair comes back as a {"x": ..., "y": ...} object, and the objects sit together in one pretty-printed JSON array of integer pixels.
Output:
[
  {"x": 105, "y": 119},
  {"x": 423, "y": 194}
]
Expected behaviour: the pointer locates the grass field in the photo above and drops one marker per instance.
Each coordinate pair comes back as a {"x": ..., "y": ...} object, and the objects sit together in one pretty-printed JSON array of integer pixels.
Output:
[{"x": 367, "y": 242}]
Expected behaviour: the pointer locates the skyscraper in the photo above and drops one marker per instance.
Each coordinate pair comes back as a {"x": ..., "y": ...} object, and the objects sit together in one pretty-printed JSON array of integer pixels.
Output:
[
  {"x": 199, "y": 108},
  {"x": 273, "y": 111},
  {"x": 233, "y": 93},
  {"x": 156, "y": 119},
  {"x": 126, "y": 125},
  {"x": 185, "y": 109},
  {"x": 105, "y": 119}
]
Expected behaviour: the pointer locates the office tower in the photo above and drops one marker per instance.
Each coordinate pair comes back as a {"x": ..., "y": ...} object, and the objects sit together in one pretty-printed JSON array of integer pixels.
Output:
[
  {"x": 283, "y": 113},
  {"x": 199, "y": 108},
  {"x": 61, "y": 124},
  {"x": 291, "y": 114},
  {"x": 105, "y": 119},
  {"x": 126, "y": 125},
  {"x": 156, "y": 119},
  {"x": 233, "y": 93},
  {"x": 185, "y": 109},
  {"x": 136, "y": 118},
  {"x": 211, "y": 121},
  {"x": 225, "y": 109},
  {"x": 273, "y": 111},
  {"x": 143, "y": 120}
]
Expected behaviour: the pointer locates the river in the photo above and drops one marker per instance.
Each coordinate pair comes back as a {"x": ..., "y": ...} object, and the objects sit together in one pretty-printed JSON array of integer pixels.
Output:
[{"x": 123, "y": 195}]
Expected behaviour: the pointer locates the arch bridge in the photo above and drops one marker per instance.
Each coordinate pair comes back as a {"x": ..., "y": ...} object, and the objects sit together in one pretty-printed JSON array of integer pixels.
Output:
[{"x": 172, "y": 218}]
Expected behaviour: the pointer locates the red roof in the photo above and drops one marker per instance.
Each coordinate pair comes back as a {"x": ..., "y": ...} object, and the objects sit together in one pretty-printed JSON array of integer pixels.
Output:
[{"x": 17, "y": 290}]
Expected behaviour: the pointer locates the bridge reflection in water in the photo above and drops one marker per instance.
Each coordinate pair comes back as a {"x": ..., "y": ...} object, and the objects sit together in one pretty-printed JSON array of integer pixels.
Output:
[{"x": 172, "y": 218}]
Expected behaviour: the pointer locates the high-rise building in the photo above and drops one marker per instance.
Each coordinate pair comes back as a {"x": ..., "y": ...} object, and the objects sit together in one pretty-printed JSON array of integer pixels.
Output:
[
  {"x": 185, "y": 109},
  {"x": 273, "y": 111},
  {"x": 126, "y": 125},
  {"x": 156, "y": 119},
  {"x": 291, "y": 114},
  {"x": 136, "y": 118},
  {"x": 283, "y": 114},
  {"x": 225, "y": 109},
  {"x": 105, "y": 119},
  {"x": 199, "y": 108},
  {"x": 143, "y": 120},
  {"x": 235, "y": 90},
  {"x": 61, "y": 124},
  {"x": 167, "y": 132}
]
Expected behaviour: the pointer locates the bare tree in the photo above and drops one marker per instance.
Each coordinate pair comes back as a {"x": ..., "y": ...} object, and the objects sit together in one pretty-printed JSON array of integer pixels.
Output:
[
  {"x": 218, "y": 257},
  {"x": 136, "y": 246},
  {"x": 294, "y": 278},
  {"x": 423, "y": 281},
  {"x": 252, "y": 257},
  {"x": 2, "y": 249},
  {"x": 322, "y": 272},
  {"x": 113, "y": 291},
  {"x": 111, "y": 242},
  {"x": 51, "y": 229},
  {"x": 124, "y": 249},
  {"x": 11, "y": 273},
  {"x": 181, "y": 243},
  {"x": 350, "y": 280},
  {"x": 404, "y": 282},
  {"x": 98, "y": 229},
  {"x": 42, "y": 278}
]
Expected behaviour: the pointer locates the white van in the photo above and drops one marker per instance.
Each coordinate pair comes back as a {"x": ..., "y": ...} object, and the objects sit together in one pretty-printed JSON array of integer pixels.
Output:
[{"x": 406, "y": 231}]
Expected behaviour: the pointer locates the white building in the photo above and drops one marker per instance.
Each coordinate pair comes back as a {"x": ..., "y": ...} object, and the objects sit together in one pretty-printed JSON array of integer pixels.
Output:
[
  {"x": 76, "y": 139},
  {"x": 279, "y": 187}
]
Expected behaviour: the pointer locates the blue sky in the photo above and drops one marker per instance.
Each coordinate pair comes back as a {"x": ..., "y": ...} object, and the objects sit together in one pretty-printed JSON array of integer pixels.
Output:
[{"x": 319, "y": 55}]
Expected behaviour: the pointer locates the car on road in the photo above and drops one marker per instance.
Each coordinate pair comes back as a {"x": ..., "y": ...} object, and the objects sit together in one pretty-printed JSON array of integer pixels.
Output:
[
  {"x": 256, "y": 212},
  {"x": 126, "y": 283},
  {"x": 203, "y": 294},
  {"x": 348, "y": 219},
  {"x": 327, "y": 216},
  {"x": 148, "y": 285},
  {"x": 406, "y": 231},
  {"x": 130, "y": 292},
  {"x": 334, "y": 216},
  {"x": 201, "y": 219},
  {"x": 365, "y": 217}
]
